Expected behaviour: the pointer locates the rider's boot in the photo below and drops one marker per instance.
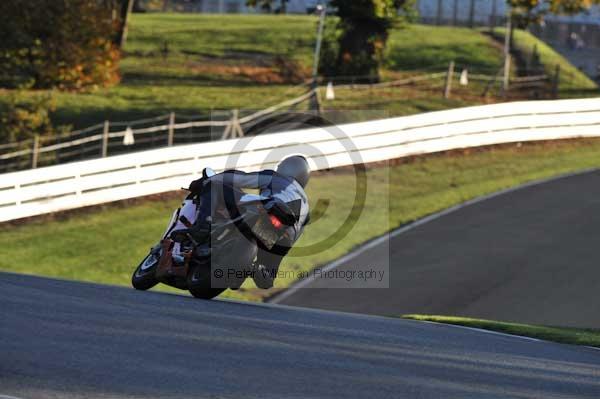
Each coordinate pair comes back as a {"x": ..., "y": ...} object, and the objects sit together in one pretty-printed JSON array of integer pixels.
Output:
[{"x": 263, "y": 277}]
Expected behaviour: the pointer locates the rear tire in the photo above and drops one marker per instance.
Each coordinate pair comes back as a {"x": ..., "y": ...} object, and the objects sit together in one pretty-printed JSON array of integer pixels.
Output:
[
  {"x": 144, "y": 276},
  {"x": 199, "y": 282}
]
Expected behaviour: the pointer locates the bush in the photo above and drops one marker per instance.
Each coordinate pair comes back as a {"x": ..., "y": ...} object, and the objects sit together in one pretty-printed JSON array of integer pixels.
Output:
[
  {"x": 25, "y": 115},
  {"x": 66, "y": 44}
]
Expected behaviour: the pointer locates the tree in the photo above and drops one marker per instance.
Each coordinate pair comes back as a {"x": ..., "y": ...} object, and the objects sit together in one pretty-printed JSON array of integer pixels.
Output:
[
  {"x": 65, "y": 44},
  {"x": 138, "y": 7},
  {"x": 354, "y": 46},
  {"x": 361, "y": 36},
  {"x": 126, "y": 9},
  {"x": 526, "y": 12},
  {"x": 364, "y": 26},
  {"x": 25, "y": 115}
]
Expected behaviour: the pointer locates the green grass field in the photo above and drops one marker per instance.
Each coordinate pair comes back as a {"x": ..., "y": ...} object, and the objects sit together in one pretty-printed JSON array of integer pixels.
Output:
[
  {"x": 218, "y": 62},
  {"x": 105, "y": 244},
  {"x": 192, "y": 64},
  {"x": 425, "y": 47},
  {"x": 573, "y": 336},
  {"x": 195, "y": 63}
]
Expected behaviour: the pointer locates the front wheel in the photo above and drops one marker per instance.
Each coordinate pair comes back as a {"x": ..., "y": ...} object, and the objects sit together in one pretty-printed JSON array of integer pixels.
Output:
[
  {"x": 144, "y": 276},
  {"x": 199, "y": 282}
]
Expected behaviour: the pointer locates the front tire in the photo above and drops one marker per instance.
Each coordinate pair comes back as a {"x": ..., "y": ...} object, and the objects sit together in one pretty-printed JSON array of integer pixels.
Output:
[{"x": 144, "y": 276}]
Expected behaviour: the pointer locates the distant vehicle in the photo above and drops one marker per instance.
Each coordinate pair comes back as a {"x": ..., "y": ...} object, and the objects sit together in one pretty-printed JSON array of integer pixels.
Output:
[
  {"x": 225, "y": 259},
  {"x": 311, "y": 6}
]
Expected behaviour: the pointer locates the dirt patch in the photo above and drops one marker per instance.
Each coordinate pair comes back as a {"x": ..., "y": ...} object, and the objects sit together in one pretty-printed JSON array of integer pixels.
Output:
[
  {"x": 258, "y": 74},
  {"x": 277, "y": 70}
]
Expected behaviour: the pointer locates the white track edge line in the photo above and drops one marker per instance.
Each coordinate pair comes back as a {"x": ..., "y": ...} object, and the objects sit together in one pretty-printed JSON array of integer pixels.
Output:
[
  {"x": 502, "y": 334},
  {"x": 377, "y": 241}
]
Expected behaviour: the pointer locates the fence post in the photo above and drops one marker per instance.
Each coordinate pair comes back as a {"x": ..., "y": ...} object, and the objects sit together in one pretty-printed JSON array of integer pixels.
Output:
[
  {"x": 233, "y": 129},
  {"x": 35, "y": 151},
  {"x": 105, "y": 139},
  {"x": 315, "y": 101},
  {"x": 556, "y": 81},
  {"x": 237, "y": 128},
  {"x": 531, "y": 67},
  {"x": 171, "y": 129},
  {"x": 506, "y": 78},
  {"x": 440, "y": 13},
  {"x": 227, "y": 131},
  {"x": 455, "y": 13},
  {"x": 493, "y": 17},
  {"x": 449, "y": 77},
  {"x": 472, "y": 14}
]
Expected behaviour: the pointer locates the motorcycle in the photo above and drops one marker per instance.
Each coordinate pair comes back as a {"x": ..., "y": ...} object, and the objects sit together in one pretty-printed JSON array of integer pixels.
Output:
[{"x": 226, "y": 258}]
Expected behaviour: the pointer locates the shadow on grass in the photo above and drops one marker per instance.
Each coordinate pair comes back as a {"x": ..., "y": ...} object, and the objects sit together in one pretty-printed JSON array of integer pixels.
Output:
[
  {"x": 146, "y": 78},
  {"x": 436, "y": 58},
  {"x": 94, "y": 115}
]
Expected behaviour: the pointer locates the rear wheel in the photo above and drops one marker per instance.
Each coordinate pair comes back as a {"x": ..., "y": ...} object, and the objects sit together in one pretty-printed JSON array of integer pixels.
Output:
[
  {"x": 144, "y": 276},
  {"x": 199, "y": 282}
]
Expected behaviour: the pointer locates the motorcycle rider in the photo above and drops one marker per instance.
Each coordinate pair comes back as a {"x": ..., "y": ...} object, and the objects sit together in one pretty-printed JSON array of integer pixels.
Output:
[{"x": 282, "y": 191}]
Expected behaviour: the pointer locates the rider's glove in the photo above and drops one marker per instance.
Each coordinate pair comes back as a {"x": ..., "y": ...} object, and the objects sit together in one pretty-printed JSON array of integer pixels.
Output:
[{"x": 197, "y": 186}]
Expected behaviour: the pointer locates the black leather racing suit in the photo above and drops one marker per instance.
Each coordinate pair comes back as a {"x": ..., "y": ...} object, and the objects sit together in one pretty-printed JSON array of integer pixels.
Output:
[{"x": 275, "y": 187}]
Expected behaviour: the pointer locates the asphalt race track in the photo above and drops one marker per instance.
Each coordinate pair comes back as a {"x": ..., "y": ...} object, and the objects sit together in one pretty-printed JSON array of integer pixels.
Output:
[
  {"x": 530, "y": 255},
  {"x": 63, "y": 339}
]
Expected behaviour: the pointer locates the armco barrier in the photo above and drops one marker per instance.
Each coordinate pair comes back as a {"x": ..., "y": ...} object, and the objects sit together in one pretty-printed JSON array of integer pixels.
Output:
[{"x": 79, "y": 184}]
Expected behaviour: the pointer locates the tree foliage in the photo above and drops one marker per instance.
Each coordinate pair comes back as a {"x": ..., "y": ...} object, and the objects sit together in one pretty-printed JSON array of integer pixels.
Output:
[
  {"x": 525, "y": 12},
  {"x": 25, "y": 115},
  {"x": 67, "y": 44},
  {"x": 355, "y": 47}
]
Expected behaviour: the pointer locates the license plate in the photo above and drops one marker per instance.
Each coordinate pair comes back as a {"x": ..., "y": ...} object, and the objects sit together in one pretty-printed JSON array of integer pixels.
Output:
[{"x": 265, "y": 232}]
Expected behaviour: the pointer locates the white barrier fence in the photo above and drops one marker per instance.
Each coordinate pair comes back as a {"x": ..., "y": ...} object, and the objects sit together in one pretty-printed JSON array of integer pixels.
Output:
[{"x": 56, "y": 188}]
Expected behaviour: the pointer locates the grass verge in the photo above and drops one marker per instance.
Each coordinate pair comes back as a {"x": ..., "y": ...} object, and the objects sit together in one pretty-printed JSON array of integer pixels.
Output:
[
  {"x": 572, "y": 81},
  {"x": 574, "y": 336},
  {"x": 194, "y": 63},
  {"x": 106, "y": 243}
]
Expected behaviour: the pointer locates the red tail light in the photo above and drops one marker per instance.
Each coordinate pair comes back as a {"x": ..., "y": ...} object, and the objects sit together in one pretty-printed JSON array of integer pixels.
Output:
[{"x": 275, "y": 221}]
